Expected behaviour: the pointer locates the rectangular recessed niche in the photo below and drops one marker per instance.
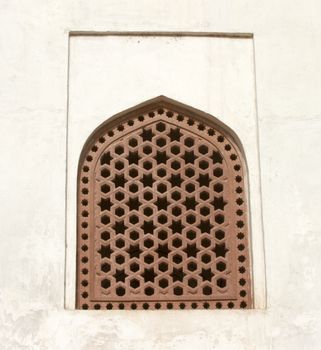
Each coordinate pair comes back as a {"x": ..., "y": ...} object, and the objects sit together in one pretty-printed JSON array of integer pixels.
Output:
[{"x": 108, "y": 74}]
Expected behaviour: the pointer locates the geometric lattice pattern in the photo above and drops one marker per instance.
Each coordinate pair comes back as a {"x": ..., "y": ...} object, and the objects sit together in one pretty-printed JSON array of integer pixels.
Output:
[{"x": 162, "y": 213}]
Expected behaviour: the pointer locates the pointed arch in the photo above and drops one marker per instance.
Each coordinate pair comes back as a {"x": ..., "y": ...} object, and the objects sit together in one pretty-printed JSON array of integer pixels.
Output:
[{"x": 163, "y": 212}]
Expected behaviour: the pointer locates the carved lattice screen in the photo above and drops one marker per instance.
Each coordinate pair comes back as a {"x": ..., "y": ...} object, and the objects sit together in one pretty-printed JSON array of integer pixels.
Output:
[{"x": 162, "y": 213}]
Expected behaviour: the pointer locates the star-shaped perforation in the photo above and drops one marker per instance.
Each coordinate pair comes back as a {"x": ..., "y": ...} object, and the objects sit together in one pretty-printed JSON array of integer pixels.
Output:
[
  {"x": 178, "y": 274},
  {"x": 162, "y": 203},
  {"x": 106, "y": 158},
  {"x": 219, "y": 203},
  {"x": 105, "y": 251},
  {"x": 147, "y": 135},
  {"x": 149, "y": 275},
  {"x": 133, "y": 203},
  {"x": 220, "y": 250},
  {"x": 105, "y": 204},
  {"x": 120, "y": 275},
  {"x": 207, "y": 274},
  {"x": 134, "y": 251},
  {"x": 175, "y": 134},
  {"x": 162, "y": 250}
]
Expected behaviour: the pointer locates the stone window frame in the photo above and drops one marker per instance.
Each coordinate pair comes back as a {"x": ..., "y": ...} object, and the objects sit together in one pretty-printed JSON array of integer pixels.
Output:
[{"x": 237, "y": 289}]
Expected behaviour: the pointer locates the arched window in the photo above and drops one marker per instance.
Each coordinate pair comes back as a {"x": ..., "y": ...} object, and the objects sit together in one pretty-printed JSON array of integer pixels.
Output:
[{"x": 163, "y": 212}]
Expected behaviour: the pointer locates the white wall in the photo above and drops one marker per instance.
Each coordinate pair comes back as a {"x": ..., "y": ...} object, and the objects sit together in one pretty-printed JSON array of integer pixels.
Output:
[{"x": 33, "y": 105}]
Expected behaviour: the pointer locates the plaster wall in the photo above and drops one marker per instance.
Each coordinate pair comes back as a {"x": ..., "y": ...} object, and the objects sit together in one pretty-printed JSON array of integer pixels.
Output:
[{"x": 34, "y": 40}]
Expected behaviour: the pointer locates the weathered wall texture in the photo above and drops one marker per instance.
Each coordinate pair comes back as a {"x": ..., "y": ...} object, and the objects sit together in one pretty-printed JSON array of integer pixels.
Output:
[{"x": 33, "y": 105}]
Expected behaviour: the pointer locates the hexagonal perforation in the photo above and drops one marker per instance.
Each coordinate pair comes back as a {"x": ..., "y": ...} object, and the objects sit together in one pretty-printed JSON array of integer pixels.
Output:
[{"x": 167, "y": 227}]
